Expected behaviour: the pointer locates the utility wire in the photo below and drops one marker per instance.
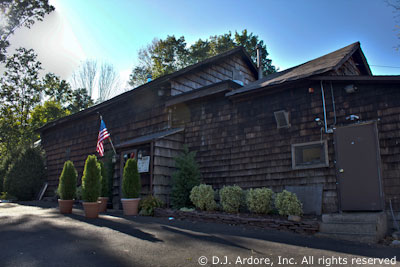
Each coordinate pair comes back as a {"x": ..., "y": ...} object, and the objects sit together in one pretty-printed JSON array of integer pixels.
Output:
[{"x": 381, "y": 66}]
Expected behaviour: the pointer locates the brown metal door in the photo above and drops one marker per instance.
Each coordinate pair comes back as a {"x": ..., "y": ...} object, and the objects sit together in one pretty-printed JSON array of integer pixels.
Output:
[{"x": 358, "y": 167}]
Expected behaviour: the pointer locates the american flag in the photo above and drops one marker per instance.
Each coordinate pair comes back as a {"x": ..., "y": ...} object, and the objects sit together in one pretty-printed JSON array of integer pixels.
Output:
[{"x": 103, "y": 135}]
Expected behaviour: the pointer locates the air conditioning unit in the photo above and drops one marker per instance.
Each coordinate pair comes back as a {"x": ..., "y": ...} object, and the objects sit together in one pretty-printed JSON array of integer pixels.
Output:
[{"x": 282, "y": 119}]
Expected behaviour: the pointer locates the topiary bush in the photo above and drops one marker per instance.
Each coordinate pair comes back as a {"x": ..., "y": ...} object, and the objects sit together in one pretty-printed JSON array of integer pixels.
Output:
[
  {"x": 231, "y": 198},
  {"x": 104, "y": 192},
  {"x": 260, "y": 200},
  {"x": 91, "y": 180},
  {"x": 26, "y": 175},
  {"x": 67, "y": 182},
  {"x": 287, "y": 203},
  {"x": 149, "y": 204},
  {"x": 131, "y": 185},
  {"x": 202, "y": 196},
  {"x": 184, "y": 179}
]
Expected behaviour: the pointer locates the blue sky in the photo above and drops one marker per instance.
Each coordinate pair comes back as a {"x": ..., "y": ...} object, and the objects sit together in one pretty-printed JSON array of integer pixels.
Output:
[{"x": 294, "y": 31}]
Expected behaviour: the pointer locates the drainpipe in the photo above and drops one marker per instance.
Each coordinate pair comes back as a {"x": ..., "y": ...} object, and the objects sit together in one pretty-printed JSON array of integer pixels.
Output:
[
  {"x": 323, "y": 104},
  {"x": 259, "y": 65}
]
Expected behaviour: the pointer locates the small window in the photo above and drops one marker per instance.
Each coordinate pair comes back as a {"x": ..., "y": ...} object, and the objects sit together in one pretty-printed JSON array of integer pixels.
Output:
[
  {"x": 282, "y": 119},
  {"x": 310, "y": 155}
]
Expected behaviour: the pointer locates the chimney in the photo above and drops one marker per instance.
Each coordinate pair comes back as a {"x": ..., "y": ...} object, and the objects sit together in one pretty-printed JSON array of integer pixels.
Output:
[{"x": 259, "y": 65}]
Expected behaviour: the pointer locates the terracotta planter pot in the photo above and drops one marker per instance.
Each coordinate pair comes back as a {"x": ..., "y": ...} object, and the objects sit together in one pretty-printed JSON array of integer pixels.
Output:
[
  {"x": 65, "y": 206},
  {"x": 91, "y": 209},
  {"x": 103, "y": 204},
  {"x": 130, "y": 205}
]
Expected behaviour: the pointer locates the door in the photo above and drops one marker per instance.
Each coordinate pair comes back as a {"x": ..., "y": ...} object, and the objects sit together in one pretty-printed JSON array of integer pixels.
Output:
[{"x": 358, "y": 167}]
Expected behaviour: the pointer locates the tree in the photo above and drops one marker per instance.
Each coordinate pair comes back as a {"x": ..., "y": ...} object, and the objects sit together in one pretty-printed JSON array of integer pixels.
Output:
[
  {"x": 19, "y": 13},
  {"x": 108, "y": 81},
  {"x": 184, "y": 179},
  {"x": 91, "y": 76},
  {"x": 166, "y": 56},
  {"x": 20, "y": 92},
  {"x": 58, "y": 90},
  {"x": 80, "y": 100},
  {"x": 51, "y": 110},
  {"x": 85, "y": 76}
]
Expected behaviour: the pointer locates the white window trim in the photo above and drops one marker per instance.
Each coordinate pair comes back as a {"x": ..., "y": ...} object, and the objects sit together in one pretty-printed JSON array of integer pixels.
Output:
[{"x": 313, "y": 166}]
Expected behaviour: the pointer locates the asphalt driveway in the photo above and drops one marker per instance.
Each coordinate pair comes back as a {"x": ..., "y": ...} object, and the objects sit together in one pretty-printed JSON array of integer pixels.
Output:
[{"x": 35, "y": 234}]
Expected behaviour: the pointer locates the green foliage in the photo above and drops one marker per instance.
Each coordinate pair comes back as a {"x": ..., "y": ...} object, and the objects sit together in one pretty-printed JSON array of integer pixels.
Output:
[
  {"x": 104, "y": 180},
  {"x": 149, "y": 204},
  {"x": 16, "y": 14},
  {"x": 4, "y": 165},
  {"x": 184, "y": 179},
  {"x": 288, "y": 204},
  {"x": 231, "y": 198},
  {"x": 166, "y": 56},
  {"x": 91, "y": 180},
  {"x": 131, "y": 185},
  {"x": 20, "y": 92},
  {"x": 202, "y": 197},
  {"x": 26, "y": 175},
  {"x": 42, "y": 114},
  {"x": 67, "y": 184},
  {"x": 260, "y": 200},
  {"x": 80, "y": 100},
  {"x": 58, "y": 90}
]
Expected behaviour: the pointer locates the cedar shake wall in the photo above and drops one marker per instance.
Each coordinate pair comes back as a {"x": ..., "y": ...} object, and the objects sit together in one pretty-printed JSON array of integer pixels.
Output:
[
  {"x": 238, "y": 142},
  {"x": 233, "y": 68},
  {"x": 137, "y": 115}
]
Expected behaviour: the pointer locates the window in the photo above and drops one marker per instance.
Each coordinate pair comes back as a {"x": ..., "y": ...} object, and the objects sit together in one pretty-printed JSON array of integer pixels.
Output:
[{"x": 310, "y": 155}]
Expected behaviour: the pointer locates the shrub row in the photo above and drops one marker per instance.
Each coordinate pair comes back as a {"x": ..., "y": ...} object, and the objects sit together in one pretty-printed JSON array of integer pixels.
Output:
[{"x": 232, "y": 198}]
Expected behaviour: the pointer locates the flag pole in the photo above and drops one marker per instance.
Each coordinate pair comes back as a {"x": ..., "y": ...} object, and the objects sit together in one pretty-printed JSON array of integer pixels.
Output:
[{"x": 112, "y": 145}]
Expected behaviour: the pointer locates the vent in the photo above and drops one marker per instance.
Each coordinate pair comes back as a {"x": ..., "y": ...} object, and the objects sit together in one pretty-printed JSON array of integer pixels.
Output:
[{"x": 282, "y": 119}]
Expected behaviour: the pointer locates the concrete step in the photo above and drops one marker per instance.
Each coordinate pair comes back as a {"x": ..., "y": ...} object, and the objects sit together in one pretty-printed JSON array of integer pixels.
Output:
[
  {"x": 367, "y": 227},
  {"x": 363, "y": 238},
  {"x": 366, "y": 217},
  {"x": 350, "y": 228}
]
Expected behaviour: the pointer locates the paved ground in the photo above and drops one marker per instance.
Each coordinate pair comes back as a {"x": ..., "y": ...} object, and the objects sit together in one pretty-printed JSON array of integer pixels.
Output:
[{"x": 35, "y": 234}]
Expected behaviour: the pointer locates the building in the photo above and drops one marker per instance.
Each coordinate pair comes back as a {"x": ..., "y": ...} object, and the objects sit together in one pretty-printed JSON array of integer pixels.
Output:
[{"x": 327, "y": 129}]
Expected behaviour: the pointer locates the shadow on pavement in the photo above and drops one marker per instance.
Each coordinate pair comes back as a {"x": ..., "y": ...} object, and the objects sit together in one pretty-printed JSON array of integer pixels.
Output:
[{"x": 29, "y": 243}]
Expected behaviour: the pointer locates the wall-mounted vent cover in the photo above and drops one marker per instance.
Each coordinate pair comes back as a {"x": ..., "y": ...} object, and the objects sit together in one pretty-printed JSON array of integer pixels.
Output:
[{"x": 282, "y": 119}]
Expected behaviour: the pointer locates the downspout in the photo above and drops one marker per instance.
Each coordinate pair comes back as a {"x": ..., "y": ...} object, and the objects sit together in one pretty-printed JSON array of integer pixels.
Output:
[
  {"x": 333, "y": 105},
  {"x": 323, "y": 104}
]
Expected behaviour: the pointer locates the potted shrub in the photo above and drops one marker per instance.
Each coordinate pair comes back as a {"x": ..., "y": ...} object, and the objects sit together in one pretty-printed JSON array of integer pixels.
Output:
[
  {"x": 131, "y": 188},
  {"x": 67, "y": 187},
  {"x": 103, "y": 199},
  {"x": 91, "y": 187}
]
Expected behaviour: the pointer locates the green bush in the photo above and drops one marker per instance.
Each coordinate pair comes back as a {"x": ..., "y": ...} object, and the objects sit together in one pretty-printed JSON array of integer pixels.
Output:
[
  {"x": 26, "y": 175},
  {"x": 79, "y": 192},
  {"x": 104, "y": 181},
  {"x": 67, "y": 184},
  {"x": 202, "y": 196},
  {"x": 231, "y": 198},
  {"x": 184, "y": 179},
  {"x": 149, "y": 204},
  {"x": 260, "y": 200},
  {"x": 91, "y": 180},
  {"x": 4, "y": 165},
  {"x": 288, "y": 204},
  {"x": 131, "y": 185}
]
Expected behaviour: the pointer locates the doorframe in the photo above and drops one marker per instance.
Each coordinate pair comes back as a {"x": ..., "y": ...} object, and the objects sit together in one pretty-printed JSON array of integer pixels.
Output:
[{"x": 378, "y": 159}]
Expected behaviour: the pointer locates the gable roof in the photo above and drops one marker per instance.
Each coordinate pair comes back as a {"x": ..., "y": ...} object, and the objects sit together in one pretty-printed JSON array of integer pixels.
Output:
[
  {"x": 326, "y": 63},
  {"x": 156, "y": 82}
]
